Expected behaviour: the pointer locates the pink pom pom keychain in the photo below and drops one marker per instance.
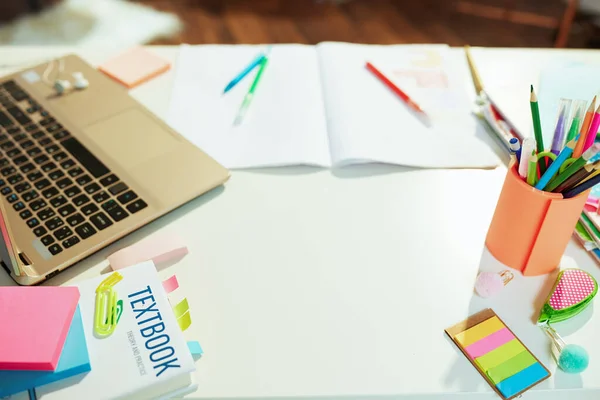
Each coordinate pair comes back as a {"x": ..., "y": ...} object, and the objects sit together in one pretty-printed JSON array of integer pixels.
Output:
[{"x": 491, "y": 283}]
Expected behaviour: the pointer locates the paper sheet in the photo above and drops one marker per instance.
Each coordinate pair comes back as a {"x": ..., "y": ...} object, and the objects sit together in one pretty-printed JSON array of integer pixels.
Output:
[
  {"x": 369, "y": 123},
  {"x": 285, "y": 123}
]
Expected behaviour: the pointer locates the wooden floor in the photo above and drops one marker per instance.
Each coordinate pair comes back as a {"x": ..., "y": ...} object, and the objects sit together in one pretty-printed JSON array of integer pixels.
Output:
[{"x": 361, "y": 21}]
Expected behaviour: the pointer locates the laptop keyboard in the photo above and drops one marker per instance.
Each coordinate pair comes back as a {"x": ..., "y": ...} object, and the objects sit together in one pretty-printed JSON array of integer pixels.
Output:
[{"x": 61, "y": 190}]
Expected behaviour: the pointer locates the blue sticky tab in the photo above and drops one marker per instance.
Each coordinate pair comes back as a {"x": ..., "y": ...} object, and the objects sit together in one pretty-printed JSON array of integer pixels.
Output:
[
  {"x": 522, "y": 380},
  {"x": 195, "y": 349}
]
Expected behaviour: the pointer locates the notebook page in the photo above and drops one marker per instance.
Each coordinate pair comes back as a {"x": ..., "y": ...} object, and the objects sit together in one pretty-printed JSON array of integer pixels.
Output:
[
  {"x": 285, "y": 123},
  {"x": 369, "y": 123}
]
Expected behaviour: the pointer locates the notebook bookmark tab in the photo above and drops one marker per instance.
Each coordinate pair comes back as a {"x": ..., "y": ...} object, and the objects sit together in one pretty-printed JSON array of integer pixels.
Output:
[{"x": 170, "y": 284}]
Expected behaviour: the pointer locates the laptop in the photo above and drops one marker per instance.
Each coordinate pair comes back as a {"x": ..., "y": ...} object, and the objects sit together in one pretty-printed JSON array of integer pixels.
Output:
[{"x": 82, "y": 169}]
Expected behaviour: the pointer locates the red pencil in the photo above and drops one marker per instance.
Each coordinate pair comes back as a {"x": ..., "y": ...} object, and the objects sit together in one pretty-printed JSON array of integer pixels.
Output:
[{"x": 395, "y": 88}]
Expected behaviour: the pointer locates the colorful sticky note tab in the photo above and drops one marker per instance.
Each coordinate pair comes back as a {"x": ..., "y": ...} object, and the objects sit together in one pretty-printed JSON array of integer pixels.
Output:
[
  {"x": 479, "y": 331},
  {"x": 500, "y": 355},
  {"x": 184, "y": 321},
  {"x": 195, "y": 349},
  {"x": 38, "y": 321},
  {"x": 170, "y": 284},
  {"x": 181, "y": 308},
  {"x": 522, "y": 380},
  {"x": 489, "y": 343},
  {"x": 509, "y": 368}
]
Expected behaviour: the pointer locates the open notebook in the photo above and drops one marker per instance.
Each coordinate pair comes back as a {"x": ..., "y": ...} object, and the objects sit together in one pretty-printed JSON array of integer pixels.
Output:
[{"x": 319, "y": 105}]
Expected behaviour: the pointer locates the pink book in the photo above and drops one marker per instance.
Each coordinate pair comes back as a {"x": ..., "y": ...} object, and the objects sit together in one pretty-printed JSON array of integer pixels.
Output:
[{"x": 35, "y": 322}]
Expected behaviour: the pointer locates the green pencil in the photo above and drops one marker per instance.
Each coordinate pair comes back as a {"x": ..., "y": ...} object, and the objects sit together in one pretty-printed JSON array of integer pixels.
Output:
[
  {"x": 250, "y": 95},
  {"x": 532, "y": 170},
  {"x": 537, "y": 127}
]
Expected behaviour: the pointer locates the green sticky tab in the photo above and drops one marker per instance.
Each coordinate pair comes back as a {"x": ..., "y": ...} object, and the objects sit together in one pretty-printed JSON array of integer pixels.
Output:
[
  {"x": 181, "y": 308},
  {"x": 500, "y": 355},
  {"x": 509, "y": 368}
]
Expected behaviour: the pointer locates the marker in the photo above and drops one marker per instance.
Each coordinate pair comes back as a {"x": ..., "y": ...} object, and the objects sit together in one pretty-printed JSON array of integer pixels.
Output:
[
  {"x": 581, "y": 187},
  {"x": 574, "y": 167},
  {"x": 585, "y": 127},
  {"x": 555, "y": 166},
  {"x": 527, "y": 148},
  {"x": 256, "y": 62},
  {"x": 515, "y": 148},
  {"x": 559, "y": 131},
  {"x": 386, "y": 81}
]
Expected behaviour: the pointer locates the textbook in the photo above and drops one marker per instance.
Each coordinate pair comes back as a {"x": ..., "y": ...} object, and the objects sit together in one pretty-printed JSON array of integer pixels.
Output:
[
  {"x": 146, "y": 357},
  {"x": 74, "y": 360},
  {"x": 320, "y": 105}
]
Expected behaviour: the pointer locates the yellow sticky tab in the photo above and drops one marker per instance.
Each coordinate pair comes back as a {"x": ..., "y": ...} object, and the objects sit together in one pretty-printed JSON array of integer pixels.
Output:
[
  {"x": 500, "y": 355},
  {"x": 181, "y": 308},
  {"x": 184, "y": 321},
  {"x": 479, "y": 331}
]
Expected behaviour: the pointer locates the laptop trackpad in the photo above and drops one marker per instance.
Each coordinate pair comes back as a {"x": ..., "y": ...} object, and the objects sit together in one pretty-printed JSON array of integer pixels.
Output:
[{"x": 131, "y": 138}]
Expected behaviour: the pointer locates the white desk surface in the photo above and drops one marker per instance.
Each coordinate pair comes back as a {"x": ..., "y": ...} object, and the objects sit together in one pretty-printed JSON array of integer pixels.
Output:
[{"x": 310, "y": 283}]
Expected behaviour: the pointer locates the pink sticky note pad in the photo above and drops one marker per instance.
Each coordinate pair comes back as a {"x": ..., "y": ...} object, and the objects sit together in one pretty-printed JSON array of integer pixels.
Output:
[
  {"x": 135, "y": 67},
  {"x": 35, "y": 323},
  {"x": 159, "y": 249}
]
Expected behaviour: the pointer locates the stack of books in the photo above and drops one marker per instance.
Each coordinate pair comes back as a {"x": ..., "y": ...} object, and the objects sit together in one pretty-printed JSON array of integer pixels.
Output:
[{"x": 51, "y": 347}]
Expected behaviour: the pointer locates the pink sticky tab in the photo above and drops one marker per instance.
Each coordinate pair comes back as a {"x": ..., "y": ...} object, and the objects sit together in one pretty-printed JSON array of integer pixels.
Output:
[
  {"x": 489, "y": 343},
  {"x": 159, "y": 249},
  {"x": 134, "y": 67},
  {"x": 171, "y": 284}
]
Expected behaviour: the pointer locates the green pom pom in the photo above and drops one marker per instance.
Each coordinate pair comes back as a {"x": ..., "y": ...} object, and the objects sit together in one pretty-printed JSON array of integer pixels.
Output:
[{"x": 573, "y": 359}]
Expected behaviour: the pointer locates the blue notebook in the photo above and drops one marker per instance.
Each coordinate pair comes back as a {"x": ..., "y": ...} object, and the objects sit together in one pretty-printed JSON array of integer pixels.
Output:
[{"x": 73, "y": 360}]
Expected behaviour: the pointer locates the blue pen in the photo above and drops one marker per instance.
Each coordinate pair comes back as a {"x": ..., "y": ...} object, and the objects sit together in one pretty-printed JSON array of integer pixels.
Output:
[
  {"x": 553, "y": 168},
  {"x": 245, "y": 72}
]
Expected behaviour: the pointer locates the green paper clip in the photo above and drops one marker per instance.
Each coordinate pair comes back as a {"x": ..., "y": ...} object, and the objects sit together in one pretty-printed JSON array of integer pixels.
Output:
[{"x": 107, "y": 312}]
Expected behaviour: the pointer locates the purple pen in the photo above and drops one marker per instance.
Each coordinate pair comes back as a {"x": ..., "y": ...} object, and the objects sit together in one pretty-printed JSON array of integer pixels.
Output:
[{"x": 558, "y": 140}]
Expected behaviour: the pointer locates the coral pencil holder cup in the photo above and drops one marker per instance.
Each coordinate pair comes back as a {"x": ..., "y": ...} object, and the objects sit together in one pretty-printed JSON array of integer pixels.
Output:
[{"x": 530, "y": 229}]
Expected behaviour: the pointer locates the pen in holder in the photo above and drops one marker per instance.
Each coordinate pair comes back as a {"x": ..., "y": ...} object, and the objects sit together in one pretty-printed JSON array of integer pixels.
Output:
[{"x": 530, "y": 229}]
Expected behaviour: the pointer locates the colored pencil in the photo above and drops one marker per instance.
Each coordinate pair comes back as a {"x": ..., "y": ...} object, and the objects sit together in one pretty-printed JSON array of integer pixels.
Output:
[
  {"x": 577, "y": 177},
  {"x": 405, "y": 97},
  {"x": 474, "y": 72},
  {"x": 574, "y": 167},
  {"x": 532, "y": 169},
  {"x": 590, "y": 176},
  {"x": 587, "y": 121},
  {"x": 253, "y": 64},
  {"x": 537, "y": 126},
  {"x": 593, "y": 131},
  {"x": 250, "y": 95},
  {"x": 526, "y": 149},
  {"x": 555, "y": 166},
  {"x": 582, "y": 187}
]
